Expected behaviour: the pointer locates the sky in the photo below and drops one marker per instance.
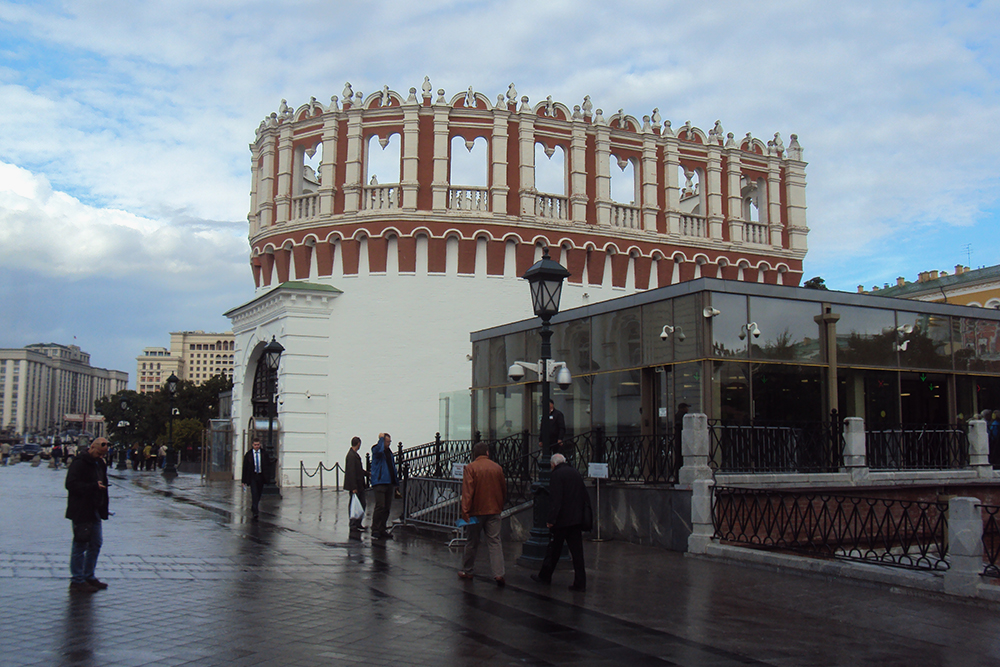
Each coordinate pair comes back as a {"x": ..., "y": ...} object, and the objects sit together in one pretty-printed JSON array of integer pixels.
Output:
[{"x": 124, "y": 128}]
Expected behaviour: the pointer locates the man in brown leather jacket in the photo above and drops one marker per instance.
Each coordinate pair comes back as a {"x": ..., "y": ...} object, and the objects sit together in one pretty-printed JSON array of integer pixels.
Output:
[{"x": 484, "y": 490}]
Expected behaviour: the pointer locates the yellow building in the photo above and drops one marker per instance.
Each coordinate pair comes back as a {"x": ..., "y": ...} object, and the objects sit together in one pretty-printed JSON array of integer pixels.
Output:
[
  {"x": 964, "y": 287},
  {"x": 193, "y": 355}
]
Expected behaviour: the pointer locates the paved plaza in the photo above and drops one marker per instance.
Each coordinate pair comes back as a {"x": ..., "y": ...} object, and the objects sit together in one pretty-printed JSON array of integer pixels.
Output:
[{"x": 194, "y": 582}]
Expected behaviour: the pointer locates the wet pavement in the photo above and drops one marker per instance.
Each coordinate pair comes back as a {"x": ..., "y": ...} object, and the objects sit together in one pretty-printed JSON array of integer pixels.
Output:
[{"x": 194, "y": 582}]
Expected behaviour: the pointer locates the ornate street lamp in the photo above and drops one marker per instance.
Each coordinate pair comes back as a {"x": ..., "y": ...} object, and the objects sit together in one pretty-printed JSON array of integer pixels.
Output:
[
  {"x": 545, "y": 278},
  {"x": 272, "y": 358},
  {"x": 169, "y": 469},
  {"x": 124, "y": 425}
]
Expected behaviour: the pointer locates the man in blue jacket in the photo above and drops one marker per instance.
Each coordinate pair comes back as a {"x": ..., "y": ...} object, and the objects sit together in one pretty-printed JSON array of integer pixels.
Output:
[{"x": 384, "y": 483}]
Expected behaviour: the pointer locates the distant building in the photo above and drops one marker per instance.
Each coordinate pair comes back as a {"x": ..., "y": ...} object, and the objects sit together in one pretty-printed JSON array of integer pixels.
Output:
[
  {"x": 193, "y": 355},
  {"x": 965, "y": 287},
  {"x": 48, "y": 388}
]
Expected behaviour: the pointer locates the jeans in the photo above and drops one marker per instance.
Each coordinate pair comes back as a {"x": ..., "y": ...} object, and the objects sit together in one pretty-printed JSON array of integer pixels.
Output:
[{"x": 83, "y": 557}]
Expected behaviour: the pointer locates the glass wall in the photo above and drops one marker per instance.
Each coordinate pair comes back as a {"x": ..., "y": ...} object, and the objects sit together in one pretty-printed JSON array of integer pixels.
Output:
[
  {"x": 788, "y": 331},
  {"x": 865, "y": 336}
]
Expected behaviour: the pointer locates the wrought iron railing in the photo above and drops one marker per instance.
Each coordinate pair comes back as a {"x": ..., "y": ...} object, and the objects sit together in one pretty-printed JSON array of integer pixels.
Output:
[
  {"x": 991, "y": 540},
  {"x": 755, "y": 448},
  {"x": 630, "y": 458},
  {"x": 904, "y": 533},
  {"x": 917, "y": 447}
]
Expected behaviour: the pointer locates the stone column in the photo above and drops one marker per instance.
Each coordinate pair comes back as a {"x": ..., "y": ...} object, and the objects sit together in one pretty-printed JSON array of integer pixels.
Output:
[
  {"x": 440, "y": 180},
  {"x": 354, "y": 166},
  {"x": 266, "y": 184},
  {"x": 411, "y": 138},
  {"x": 498, "y": 182},
  {"x": 603, "y": 160},
  {"x": 774, "y": 200},
  {"x": 795, "y": 194},
  {"x": 578, "y": 171},
  {"x": 650, "y": 203},
  {"x": 695, "y": 443},
  {"x": 702, "y": 523},
  {"x": 328, "y": 168},
  {"x": 672, "y": 163},
  {"x": 733, "y": 173},
  {"x": 282, "y": 196},
  {"x": 965, "y": 547},
  {"x": 526, "y": 160},
  {"x": 714, "y": 192},
  {"x": 855, "y": 450},
  {"x": 979, "y": 449}
]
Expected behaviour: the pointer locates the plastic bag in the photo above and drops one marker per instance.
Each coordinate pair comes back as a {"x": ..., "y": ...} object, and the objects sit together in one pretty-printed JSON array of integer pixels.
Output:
[{"x": 355, "y": 510}]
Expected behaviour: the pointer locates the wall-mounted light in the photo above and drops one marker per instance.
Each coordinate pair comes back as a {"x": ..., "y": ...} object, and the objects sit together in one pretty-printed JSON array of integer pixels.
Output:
[
  {"x": 901, "y": 343},
  {"x": 710, "y": 312},
  {"x": 667, "y": 330},
  {"x": 749, "y": 328}
]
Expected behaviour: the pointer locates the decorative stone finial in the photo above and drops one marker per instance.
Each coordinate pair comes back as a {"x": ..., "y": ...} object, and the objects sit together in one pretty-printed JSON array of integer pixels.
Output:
[
  {"x": 511, "y": 94},
  {"x": 749, "y": 141},
  {"x": 359, "y": 98},
  {"x": 588, "y": 106},
  {"x": 656, "y": 117},
  {"x": 794, "y": 149},
  {"x": 348, "y": 93},
  {"x": 779, "y": 145},
  {"x": 667, "y": 129},
  {"x": 646, "y": 127},
  {"x": 283, "y": 109},
  {"x": 599, "y": 118},
  {"x": 440, "y": 98},
  {"x": 500, "y": 102},
  {"x": 334, "y": 103},
  {"x": 730, "y": 140},
  {"x": 576, "y": 112},
  {"x": 470, "y": 99},
  {"x": 374, "y": 180},
  {"x": 524, "y": 105},
  {"x": 412, "y": 97},
  {"x": 386, "y": 98},
  {"x": 550, "y": 109},
  {"x": 426, "y": 88}
]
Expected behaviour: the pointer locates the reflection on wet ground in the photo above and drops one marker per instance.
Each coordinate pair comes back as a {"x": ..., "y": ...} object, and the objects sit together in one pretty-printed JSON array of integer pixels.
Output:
[{"x": 193, "y": 581}]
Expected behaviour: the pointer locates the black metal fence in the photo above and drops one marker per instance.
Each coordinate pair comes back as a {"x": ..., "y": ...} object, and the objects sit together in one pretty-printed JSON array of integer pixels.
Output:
[
  {"x": 337, "y": 469},
  {"x": 756, "y": 448},
  {"x": 631, "y": 458},
  {"x": 917, "y": 447},
  {"x": 991, "y": 540},
  {"x": 903, "y": 533}
]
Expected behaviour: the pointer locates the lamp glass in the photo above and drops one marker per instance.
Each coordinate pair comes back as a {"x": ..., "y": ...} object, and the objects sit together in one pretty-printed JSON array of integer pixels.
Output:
[
  {"x": 546, "y": 280},
  {"x": 172, "y": 383},
  {"x": 272, "y": 354}
]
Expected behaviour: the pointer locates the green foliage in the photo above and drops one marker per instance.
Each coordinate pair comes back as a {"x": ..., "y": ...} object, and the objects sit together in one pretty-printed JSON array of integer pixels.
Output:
[{"x": 815, "y": 283}]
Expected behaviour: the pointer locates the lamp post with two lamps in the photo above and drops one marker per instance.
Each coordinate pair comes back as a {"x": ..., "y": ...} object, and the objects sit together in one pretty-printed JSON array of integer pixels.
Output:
[
  {"x": 272, "y": 359},
  {"x": 169, "y": 467},
  {"x": 124, "y": 426},
  {"x": 545, "y": 278}
]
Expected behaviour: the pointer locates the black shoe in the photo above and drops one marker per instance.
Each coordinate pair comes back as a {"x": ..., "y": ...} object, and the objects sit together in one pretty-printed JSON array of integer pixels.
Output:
[
  {"x": 97, "y": 583},
  {"x": 81, "y": 587},
  {"x": 501, "y": 582},
  {"x": 578, "y": 589},
  {"x": 538, "y": 579},
  {"x": 256, "y": 517}
]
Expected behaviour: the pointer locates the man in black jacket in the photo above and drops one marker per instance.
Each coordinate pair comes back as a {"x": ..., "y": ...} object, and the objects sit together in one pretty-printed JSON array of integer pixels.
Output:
[
  {"x": 355, "y": 481},
  {"x": 256, "y": 468},
  {"x": 567, "y": 500},
  {"x": 86, "y": 507}
]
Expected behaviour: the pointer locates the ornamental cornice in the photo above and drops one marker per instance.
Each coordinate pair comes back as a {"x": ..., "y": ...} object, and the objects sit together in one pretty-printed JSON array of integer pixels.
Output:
[{"x": 300, "y": 299}]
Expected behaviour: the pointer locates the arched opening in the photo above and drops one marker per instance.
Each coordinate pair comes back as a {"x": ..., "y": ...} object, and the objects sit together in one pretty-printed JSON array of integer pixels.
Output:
[
  {"x": 468, "y": 167},
  {"x": 383, "y": 169}
]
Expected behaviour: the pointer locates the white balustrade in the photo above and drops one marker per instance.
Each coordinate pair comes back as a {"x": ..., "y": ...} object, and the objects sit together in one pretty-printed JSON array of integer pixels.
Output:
[
  {"x": 551, "y": 206},
  {"x": 469, "y": 199},
  {"x": 305, "y": 206},
  {"x": 381, "y": 197},
  {"x": 627, "y": 217},
  {"x": 755, "y": 233},
  {"x": 693, "y": 225}
]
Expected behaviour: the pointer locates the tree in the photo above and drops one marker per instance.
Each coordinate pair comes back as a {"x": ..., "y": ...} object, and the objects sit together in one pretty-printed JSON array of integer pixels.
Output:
[{"x": 815, "y": 283}]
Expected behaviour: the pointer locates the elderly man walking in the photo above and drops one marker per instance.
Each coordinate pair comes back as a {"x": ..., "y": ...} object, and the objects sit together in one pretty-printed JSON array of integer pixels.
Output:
[
  {"x": 87, "y": 507},
  {"x": 484, "y": 490},
  {"x": 568, "y": 504}
]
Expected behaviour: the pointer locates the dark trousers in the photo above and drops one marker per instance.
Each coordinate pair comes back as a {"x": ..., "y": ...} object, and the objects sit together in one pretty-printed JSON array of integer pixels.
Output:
[
  {"x": 383, "y": 501},
  {"x": 356, "y": 523},
  {"x": 256, "y": 488},
  {"x": 573, "y": 537}
]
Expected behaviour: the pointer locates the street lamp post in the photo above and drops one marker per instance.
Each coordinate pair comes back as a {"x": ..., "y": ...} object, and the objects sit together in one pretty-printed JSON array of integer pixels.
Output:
[
  {"x": 272, "y": 358},
  {"x": 124, "y": 425},
  {"x": 545, "y": 278},
  {"x": 169, "y": 469}
]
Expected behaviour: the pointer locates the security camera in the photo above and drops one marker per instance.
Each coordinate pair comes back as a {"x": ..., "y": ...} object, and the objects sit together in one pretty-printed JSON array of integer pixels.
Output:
[
  {"x": 563, "y": 378},
  {"x": 515, "y": 373},
  {"x": 665, "y": 333}
]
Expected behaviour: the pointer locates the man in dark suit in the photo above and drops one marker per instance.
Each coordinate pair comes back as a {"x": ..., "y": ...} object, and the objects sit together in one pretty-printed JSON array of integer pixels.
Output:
[
  {"x": 256, "y": 466},
  {"x": 557, "y": 428},
  {"x": 355, "y": 480},
  {"x": 567, "y": 499}
]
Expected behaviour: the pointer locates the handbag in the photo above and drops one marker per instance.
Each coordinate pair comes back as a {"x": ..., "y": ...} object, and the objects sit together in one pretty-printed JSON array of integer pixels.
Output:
[
  {"x": 82, "y": 532},
  {"x": 355, "y": 510}
]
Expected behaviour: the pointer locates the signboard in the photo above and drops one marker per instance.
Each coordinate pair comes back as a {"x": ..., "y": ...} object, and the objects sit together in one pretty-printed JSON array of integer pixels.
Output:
[
  {"x": 663, "y": 412},
  {"x": 457, "y": 470},
  {"x": 597, "y": 470}
]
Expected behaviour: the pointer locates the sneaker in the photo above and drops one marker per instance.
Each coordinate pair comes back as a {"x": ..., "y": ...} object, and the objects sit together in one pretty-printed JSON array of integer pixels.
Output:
[
  {"x": 538, "y": 580},
  {"x": 97, "y": 583},
  {"x": 465, "y": 575},
  {"x": 81, "y": 587},
  {"x": 501, "y": 582}
]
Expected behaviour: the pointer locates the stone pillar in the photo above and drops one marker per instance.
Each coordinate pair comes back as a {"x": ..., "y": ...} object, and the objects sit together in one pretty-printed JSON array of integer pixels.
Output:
[
  {"x": 578, "y": 171},
  {"x": 733, "y": 172},
  {"x": 650, "y": 203},
  {"x": 694, "y": 449},
  {"x": 498, "y": 181},
  {"x": 354, "y": 166},
  {"x": 965, "y": 547},
  {"x": 603, "y": 160},
  {"x": 795, "y": 194},
  {"x": 702, "y": 523},
  {"x": 266, "y": 184},
  {"x": 774, "y": 200},
  {"x": 855, "y": 449},
  {"x": 671, "y": 163},
  {"x": 409, "y": 155},
  {"x": 526, "y": 160},
  {"x": 714, "y": 192},
  {"x": 979, "y": 449},
  {"x": 440, "y": 180},
  {"x": 328, "y": 168},
  {"x": 282, "y": 196}
]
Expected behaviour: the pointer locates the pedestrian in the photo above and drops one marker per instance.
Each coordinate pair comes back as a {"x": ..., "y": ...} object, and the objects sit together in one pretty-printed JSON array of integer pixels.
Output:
[
  {"x": 484, "y": 490},
  {"x": 569, "y": 502},
  {"x": 57, "y": 454},
  {"x": 163, "y": 455},
  {"x": 355, "y": 481},
  {"x": 993, "y": 438},
  {"x": 384, "y": 483},
  {"x": 256, "y": 467},
  {"x": 87, "y": 507},
  {"x": 557, "y": 428},
  {"x": 147, "y": 453},
  {"x": 4, "y": 452}
]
